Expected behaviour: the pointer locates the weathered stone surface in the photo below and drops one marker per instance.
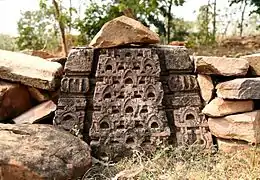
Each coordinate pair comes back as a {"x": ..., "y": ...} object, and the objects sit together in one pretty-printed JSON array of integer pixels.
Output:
[
  {"x": 231, "y": 146},
  {"x": 240, "y": 88},
  {"x": 15, "y": 99},
  {"x": 123, "y": 30},
  {"x": 244, "y": 126},
  {"x": 206, "y": 87},
  {"x": 31, "y": 151},
  {"x": 221, "y": 66},
  {"x": 71, "y": 113},
  {"x": 182, "y": 82},
  {"x": 29, "y": 70},
  {"x": 175, "y": 59},
  {"x": 127, "y": 103},
  {"x": 38, "y": 94},
  {"x": 254, "y": 62},
  {"x": 219, "y": 107},
  {"x": 79, "y": 61},
  {"x": 36, "y": 114}
]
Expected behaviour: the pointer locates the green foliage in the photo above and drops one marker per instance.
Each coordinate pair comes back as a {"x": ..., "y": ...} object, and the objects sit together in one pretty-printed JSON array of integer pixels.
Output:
[
  {"x": 36, "y": 31},
  {"x": 149, "y": 12},
  {"x": 203, "y": 36},
  {"x": 95, "y": 17},
  {"x": 7, "y": 42}
]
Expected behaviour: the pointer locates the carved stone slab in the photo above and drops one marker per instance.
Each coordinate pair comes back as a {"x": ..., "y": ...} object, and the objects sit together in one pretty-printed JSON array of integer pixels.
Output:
[
  {"x": 128, "y": 102},
  {"x": 71, "y": 113}
]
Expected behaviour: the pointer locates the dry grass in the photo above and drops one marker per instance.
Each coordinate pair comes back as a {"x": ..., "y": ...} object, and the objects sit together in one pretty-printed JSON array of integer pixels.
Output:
[{"x": 182, "y": 163}]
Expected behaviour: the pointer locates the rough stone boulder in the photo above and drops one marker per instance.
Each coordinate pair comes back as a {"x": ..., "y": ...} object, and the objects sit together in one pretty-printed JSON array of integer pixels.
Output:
[
  {"x": 219, "y": 107},
  {"x": 29, "y": 70},
  {"x": 221, "y": 66},
  {"x": 254, "y": 62},
  {"x": 14, "y": 100},
  {"x": 244, "y": 127},
  {"x": 39, "y": 152},
  {"x": 240, "y": 88},
  {"x": 123, "y": 30},
  {"x": 206, "y": 87}
]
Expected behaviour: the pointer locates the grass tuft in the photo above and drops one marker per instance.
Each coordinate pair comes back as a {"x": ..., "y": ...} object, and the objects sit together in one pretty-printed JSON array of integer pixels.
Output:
[{"x": 182, "y": 163}]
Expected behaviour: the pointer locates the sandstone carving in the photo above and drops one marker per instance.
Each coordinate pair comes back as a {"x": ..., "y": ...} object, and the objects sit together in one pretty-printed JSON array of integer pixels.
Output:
[
  {"x": 127, "y": 102},
  {"x": 29, "y": 70},
  {"x": 123, "y": 30},
  {"x": 221, "y": 66},
  {"x": 240, "y": 88},
  {"x": 36, "y": 114},
  {"x": 206, "y": 87},
  {"x": 14, "y": 100},
  {"x": 71, "y": 112},
  {"x": 244, "y": 127},
  {"x": 219, "y": 107},
  {"x": 131, "y": 98},
  {"x": 31, "y": 151}
]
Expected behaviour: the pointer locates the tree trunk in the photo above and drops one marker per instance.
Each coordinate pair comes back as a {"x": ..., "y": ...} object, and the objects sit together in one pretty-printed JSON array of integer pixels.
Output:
[
  {"x": 241, "y": 27},
  {"x": 61, "y": 26},
  {"x": 169, "y": 18},
  {"x": 214, "y": 20},
  {"x": 207, "y": 20}
]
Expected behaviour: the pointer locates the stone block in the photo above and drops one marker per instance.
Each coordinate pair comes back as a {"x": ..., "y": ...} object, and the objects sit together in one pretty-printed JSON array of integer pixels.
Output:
[
  {"x": 36, "y": 114},
  {"x": 231, "y": 146},
  {"x": 240, "y": 88},
  {"x": 123, "y": 30},
  {"x": 245, "y": 126},
  {"x": 221, "y": 66},
  {"x": 30, "y": 70},
  {"x": 219, "y": 107},
  {"x": 254, "y": 63},
  {"x": 79, "y": 61}
]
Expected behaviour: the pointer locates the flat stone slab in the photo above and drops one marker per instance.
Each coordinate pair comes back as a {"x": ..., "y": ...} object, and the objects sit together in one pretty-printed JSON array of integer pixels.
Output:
[
  {"x": 32, "y": 151},
  {"x": 36, "y": 114},
  {"x": 219, "y": 107},
  {"x": 240, "y": 88},
  {"x": 231, "y": 146},
  {"x": 245, "y": 126},
  {"x": 123, "y": 30},
  {"x": 221, "y": 66},
  {"x": 30, "y": 70}
]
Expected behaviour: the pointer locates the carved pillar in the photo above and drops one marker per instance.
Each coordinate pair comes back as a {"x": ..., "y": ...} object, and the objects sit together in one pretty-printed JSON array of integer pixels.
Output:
[
  {"x": 182, "y": 97},
  {"x": 128, "y": 112},
  {"x": 71, "y": 111}
]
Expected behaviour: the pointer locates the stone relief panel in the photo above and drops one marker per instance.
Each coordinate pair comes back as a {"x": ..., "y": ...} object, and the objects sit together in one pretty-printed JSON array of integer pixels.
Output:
[
  {"x": 131, "y": 98},
  {"x": 128, "y": 112}
]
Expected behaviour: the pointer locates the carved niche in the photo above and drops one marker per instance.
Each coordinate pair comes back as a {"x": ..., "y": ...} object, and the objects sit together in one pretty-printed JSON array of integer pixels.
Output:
[
  {"x": 72, "y": 103},
  {"x": 128, "y": 112}
]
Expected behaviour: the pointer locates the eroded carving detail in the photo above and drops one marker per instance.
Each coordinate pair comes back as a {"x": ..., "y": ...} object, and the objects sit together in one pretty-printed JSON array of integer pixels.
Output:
[
  {"x": 128, "y": 102},
  {"x": 71, "y": 112}
]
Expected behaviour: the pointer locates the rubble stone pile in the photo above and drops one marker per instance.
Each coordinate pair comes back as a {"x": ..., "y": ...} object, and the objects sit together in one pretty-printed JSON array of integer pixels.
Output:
[{"x": 230, "y": 90}]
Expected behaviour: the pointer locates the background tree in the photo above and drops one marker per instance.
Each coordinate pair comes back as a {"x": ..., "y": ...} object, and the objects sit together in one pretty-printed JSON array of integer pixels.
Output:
[{"x": 36, "y": 31}]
